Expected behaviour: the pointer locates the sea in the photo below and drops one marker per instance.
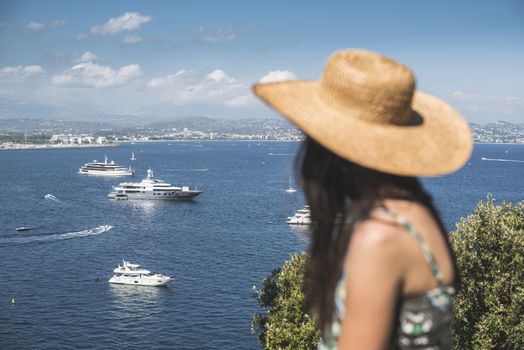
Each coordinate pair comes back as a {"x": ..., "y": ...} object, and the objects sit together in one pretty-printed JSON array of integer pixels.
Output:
[{"x": 217, "y": 247}]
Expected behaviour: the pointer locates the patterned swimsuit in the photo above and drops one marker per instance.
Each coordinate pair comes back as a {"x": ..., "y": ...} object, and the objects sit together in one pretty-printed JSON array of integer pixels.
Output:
[{"x": 424, "y": 320}]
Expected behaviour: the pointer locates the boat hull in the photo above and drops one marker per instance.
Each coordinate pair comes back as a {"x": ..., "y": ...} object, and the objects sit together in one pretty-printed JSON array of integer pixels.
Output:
[
  {"x": 299, "y": 222},
  {"x": 141, "y": 281},
  {"x": 177, "y": 196},
  {"x": 105, "y": 173}
]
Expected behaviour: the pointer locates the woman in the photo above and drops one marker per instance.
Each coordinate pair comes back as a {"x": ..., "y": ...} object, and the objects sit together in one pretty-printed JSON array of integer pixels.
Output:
[{"x": 381, "y": 266}]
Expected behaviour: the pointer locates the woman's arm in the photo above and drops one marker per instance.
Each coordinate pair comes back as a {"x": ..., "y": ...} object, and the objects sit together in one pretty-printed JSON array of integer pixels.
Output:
[{"x": 373, "y": 276}]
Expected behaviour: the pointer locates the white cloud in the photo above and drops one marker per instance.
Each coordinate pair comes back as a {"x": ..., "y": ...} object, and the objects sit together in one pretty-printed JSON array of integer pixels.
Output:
[
  {"x": 510, "y": 100},
  {"x": 241, "y": 101},
  {"x": 35, "y": 26},
  {"x": 171, "y": 79},
  {"x": 30, "y": 70},
  {"x": 219, "y": 75},
  {"x": 186, "y": 86},
  {"x": 40, "y": 26},
  {"x": 278, "y": 75},
  {"x": 20, "y": 72},
  {"x": 218, "y": 35},
  {"x": 89, "y": 74},
  {"x": 131, "y": 39},
  {"x": 86, "y": 57},
  {"x": 128, "y": 21},
  {"x": 481, "y": 108},
  {"x": 461, "y": 95},
  {"x": 81, "y": 36}
]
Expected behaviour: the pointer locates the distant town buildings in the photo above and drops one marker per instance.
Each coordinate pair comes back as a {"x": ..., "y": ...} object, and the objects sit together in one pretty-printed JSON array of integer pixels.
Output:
[
  {"x": 209, "y": 129},
  {"x": 187, "y": 134},
  {"x": 499, "y": 132},
  {"x": 71, "y": 139},
  {"x": 59, "y": 141}
]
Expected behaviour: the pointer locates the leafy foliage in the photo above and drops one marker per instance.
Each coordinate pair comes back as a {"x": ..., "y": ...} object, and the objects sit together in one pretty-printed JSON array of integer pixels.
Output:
[
  {"x": 25, "y": 138},
  {"x": 489, "y": 309},
  {"x": 286, "y": 323}
]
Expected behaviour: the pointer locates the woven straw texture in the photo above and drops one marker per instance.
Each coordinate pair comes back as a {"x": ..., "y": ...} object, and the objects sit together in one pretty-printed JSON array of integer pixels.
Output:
[{"x": 365, "y": 109}]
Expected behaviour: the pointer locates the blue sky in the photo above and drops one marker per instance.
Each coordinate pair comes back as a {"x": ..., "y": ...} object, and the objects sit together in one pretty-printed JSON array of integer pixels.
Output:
[{"x": 150, "y": 59}]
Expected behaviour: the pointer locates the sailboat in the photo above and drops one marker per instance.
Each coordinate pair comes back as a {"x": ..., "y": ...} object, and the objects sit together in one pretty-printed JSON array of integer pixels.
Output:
[
  {"x": 290, "y": 189},
  {"x": 133, "y": 156}
]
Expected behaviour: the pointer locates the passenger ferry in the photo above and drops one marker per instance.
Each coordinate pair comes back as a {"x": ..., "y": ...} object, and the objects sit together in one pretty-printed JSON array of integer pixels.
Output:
[
  {"x": 151, "y": 188},
  {"x": 105, "y": 168},
  {"x": 129, "y": 273}
]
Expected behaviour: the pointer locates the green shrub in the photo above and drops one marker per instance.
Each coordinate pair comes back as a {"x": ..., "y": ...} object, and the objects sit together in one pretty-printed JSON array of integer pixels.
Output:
[
  {"x": 489, "y": 309},
  {"x": 285, "y": 322},
  {"x": 489, "y": 246}
]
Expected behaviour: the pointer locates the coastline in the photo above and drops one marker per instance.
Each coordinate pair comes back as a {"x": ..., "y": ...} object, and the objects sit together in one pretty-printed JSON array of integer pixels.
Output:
[
  {"x": 203, "y": 140},
  {"x": 497, "y": 143},
  {"x": 21, "y": 147}
]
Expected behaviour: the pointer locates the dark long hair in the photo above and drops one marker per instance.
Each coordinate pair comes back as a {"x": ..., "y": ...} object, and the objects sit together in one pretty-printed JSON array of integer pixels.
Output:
[{"x": 341, "y": 193}]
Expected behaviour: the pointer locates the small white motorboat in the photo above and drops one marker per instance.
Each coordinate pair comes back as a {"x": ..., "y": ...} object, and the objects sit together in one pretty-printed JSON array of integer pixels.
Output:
[
  {"x": 129, "y": 273},
  {"x": 301, "y": 217},
  {"x": 23, "y": 228}
]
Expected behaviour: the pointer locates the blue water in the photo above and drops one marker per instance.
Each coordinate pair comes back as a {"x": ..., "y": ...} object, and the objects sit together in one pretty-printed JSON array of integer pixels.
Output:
[{"x": 217, "y": 247}]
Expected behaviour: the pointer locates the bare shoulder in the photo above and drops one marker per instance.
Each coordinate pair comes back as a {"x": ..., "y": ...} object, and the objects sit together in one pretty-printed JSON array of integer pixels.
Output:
[
  {"x": 376, "y": 234},
  {"x": 378, "y": 240},
  {"x": 373, "y": 277}
]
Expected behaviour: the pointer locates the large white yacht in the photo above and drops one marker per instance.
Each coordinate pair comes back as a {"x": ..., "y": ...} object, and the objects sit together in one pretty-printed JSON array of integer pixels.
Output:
[
  {"x": 128, "y": 273},
  {"x": 105, "y": 168},
  {"x": 301, "y": 217},
  {"x": 151, "y": 188}
]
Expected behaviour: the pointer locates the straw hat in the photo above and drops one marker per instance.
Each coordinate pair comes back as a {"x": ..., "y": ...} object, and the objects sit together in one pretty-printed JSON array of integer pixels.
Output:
[{"x": 365, "y": 109}]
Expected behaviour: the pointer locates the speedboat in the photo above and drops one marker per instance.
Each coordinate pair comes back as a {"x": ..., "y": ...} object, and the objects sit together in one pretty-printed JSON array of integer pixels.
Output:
[
  {"x": 151, "y": 188},
  {"x": 105, "y": 168},
  {"x": 23, "y": 228},
  {"x": 129, "y": 273},
  {"x": 301, "y": 217}
]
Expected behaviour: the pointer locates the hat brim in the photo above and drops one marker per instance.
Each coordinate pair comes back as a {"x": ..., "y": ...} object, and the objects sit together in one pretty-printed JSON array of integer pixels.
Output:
[{"x": 439, "y": 144}]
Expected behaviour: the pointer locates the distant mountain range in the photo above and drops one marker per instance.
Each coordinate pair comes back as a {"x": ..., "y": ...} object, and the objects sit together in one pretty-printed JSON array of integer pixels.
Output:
[{"x": 48, "y": 126}]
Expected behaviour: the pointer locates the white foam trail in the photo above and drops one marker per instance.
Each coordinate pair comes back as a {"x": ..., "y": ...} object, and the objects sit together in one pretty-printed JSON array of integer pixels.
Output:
[
  {"x": 280, "y": 154},
  {"x": 177, "y": 170},
  {"x": 53, "y": 198},
  {"x": 58, "y": 236},
  {"x": 503, "y": 160}
]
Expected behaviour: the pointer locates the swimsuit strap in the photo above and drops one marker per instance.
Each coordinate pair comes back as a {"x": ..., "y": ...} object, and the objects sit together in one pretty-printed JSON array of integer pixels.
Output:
[{"x": 428, "y": 256}]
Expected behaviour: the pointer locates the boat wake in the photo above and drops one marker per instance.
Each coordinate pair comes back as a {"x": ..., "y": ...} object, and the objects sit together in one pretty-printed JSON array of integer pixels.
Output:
[
  {"x": 58, "y": 236},
  {"x": 503, "y": 160},
  {"x": 50, "y": 197},
  {"x": 177, "y": 170},
  {"x": 280, "y": 154}
]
